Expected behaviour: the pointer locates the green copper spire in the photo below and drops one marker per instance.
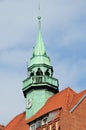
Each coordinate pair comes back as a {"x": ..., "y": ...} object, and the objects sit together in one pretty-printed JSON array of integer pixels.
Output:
[
  {"x": 39, "y": 48},
  {"x": 39, "y": 53}
]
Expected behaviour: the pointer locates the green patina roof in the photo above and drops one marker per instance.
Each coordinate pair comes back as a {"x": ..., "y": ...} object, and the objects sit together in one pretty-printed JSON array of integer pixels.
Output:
[
  {"x": 39, "y": 52},
  {"x": 39, "y": 48}
]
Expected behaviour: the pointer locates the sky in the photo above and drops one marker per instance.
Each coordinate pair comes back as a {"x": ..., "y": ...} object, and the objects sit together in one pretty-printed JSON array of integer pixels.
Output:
[{"x": 63, "y": 26}]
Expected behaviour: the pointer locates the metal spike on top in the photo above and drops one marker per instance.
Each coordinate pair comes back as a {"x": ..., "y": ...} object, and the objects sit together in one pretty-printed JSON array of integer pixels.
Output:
[
  {"x": 39, "y": 18},
  {"x": 39, "y": 9},
  {"x": 39, "y": 23}
]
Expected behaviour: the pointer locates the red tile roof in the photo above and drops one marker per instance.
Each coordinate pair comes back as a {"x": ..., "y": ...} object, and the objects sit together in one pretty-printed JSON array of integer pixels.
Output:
[
  {"x": 77, "y": 119},
  {"x": 1, "y": 127},
  {"x": 68, "y": 121},
  {"x": 62, "y": 99},
  {"x": 65, "y": 99},
  {"x": 18, "y": 123},
  {"x": 77, "y": 97}
]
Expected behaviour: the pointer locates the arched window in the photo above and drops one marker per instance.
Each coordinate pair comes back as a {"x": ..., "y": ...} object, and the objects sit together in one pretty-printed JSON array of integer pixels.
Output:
[
  {"x": 31, "y": 73},
  {"x": 51, "y": 71},
  {"x": 47, "y": 73},
  {"x": 39, "y": 72}
]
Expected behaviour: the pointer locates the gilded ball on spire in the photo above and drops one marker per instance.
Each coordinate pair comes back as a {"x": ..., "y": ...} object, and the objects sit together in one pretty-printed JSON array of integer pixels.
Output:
[{"x": 39, "y": 17}]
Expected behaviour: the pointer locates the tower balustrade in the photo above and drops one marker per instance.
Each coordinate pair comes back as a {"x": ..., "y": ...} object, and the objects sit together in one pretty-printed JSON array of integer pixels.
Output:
[{"x": 40, "y": 80}]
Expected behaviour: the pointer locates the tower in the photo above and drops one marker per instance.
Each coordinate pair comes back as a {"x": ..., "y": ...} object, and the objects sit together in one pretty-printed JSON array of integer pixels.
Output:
[{"x": 40, "y": 84}]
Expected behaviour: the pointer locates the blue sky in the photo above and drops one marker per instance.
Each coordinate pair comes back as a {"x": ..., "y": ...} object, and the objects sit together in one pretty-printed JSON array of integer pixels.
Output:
[{"x": 64, "y": 34}]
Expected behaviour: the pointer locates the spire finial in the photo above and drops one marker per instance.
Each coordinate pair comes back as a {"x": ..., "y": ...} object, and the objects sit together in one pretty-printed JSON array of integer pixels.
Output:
[
  {"x": 39, "y": 17},
  {"x": 39, "y": 23}
]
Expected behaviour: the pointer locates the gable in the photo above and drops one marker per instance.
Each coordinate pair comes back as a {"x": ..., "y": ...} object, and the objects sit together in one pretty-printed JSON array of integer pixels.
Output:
[{"x": 80, "y": 110}]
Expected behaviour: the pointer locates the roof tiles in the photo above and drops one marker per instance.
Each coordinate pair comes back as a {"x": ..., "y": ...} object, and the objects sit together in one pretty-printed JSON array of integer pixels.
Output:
[
  {"x": 18, "y": 123},
  {"x": 62, "y": 99}
]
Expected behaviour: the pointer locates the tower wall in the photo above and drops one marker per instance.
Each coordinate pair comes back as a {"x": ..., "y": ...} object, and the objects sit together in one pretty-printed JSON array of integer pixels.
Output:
[{"x": 38, "y": 98}]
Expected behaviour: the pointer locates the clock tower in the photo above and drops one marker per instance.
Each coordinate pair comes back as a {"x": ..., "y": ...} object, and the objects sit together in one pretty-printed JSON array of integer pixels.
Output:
[{"x": 40, "y": 83}]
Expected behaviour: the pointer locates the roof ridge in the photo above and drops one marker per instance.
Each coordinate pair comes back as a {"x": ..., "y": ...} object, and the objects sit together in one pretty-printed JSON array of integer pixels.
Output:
[
  {"x": 66, "y": 89},
  {"x": 83, "y": 91},
  {"x": 79, "y": 101},
  {"x": 69, "y": 99}
]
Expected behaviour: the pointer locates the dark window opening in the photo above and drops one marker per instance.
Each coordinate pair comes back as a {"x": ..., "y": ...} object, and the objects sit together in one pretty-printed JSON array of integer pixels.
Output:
[
  {"x": 39, "y": 72},
  {"x": 47, "y": 72}
]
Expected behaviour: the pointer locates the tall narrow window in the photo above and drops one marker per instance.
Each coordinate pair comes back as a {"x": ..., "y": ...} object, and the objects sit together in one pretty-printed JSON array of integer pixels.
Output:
[
  {"x": 44, "y": 120},
  {"x": 38, "y": 123},
  {"x": 33, "y": 127}
]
